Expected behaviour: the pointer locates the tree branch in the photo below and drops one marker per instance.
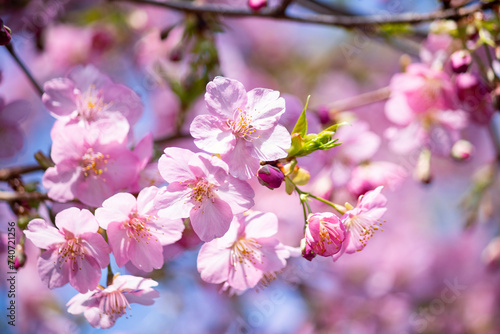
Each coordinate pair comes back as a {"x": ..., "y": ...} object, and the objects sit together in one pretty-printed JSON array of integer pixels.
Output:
[
  {"x": 23, "y": 67},
  {"x": 10, "y": 172},
  {"x": 330, "y": 20},
  {"x": 10, "y": 196},
  {"x": 349, "y": 103}
]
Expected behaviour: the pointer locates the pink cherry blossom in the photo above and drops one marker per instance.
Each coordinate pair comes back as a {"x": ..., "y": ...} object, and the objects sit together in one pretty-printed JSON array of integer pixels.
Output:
[
  {"x": 87, "y": 96},
  {"x": 242, "y": 127},
  {"x": 323, "y": 236},
  {"x": 74, "y": 251},
  {"x": 135, "y": 232},
  {"x": 361, "y": 222},
  {"x": 103, "y": 306},
  {"x": 201, "y": 188},
  {"x": 369, "y": 176},
  {"x": 424, "y": 104},
  {"x": 247, "y": 252},
  {"x": 11, "y": 135},
  {"x": 88, "y": 166}
]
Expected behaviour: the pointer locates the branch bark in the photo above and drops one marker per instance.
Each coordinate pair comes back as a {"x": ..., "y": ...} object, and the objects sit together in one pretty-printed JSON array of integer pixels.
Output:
[
  {"x": 10, "y": 172},
  {"x": 330, "y": 20},
  {"x": 10, "y": 196}
]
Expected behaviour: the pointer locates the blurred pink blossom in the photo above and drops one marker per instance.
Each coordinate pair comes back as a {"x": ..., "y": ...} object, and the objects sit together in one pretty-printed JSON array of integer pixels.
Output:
[
  {"x": 86, "y": 96},
  {"x": 11, "y": 135}
]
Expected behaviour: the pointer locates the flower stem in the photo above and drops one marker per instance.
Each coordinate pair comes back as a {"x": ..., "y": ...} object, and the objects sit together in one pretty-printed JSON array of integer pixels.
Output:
[
  {"x": 340, "y": 209},
  {"x": 109, "y": 278},
  {"x": 23, "y": 67}
]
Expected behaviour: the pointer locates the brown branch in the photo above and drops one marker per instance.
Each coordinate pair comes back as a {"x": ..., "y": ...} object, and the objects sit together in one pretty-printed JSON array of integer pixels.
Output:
[
  {"x": 11, "y": 172},
  {"x": 331, "y": 20},
  {"x": 23, "y": 67},
  {"x": 280, "y": 11},
  {"x": 349, "y": 103},
  {"x": 10, "y": 196}
]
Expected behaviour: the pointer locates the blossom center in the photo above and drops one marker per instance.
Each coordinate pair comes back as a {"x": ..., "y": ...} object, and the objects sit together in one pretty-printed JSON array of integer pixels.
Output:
[
  {"x": 202, "y": 190},
  {"x": 93, "y": 163},
  {"x": 91, "y": 104},
  {"x": 361, "y": 227},
  {"x": 245, "y": 251},
  {"x": 241, "y": 126},
  {"x": 113, "y": 304},
  {"x": 70, "y": 251},
  {"x": 137, "y": 228}
]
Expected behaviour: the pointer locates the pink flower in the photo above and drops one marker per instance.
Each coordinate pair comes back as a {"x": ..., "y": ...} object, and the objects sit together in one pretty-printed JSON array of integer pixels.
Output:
[
  {"x": 323, "y": 236},
  {"x": 242, "y": 257},
  {"x": 74, "y": 252},
  {"x": 103, "y": 306},
  {"x": 369, "y": 176},
  {"x": 11, "y": 135},
  {"x": 417, "y": 91},
  {"x": 360, "y": 222},
  {"x": 88, "y": 166},
  {"x": 135, "y": 232},
  {"x": 201, "y": 188},
  {"x": 424, "y": 104},
  {"x": 243, "y": 127},
  {"x": 88, "y": 96}
]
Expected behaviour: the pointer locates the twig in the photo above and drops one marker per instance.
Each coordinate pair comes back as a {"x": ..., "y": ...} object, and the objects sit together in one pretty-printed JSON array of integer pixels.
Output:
[
  {"x": 10, "y": 172},
  {"x": 23, "y": 67},
  {"x": 281, "y": 10},
  {"x": 331, "y": 20},
  {"x": 380, "y": 94},
  {"x": 10, "y": 196}
]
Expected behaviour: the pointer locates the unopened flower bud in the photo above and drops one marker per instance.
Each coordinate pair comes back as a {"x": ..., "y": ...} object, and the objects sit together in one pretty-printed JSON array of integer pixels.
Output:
[
  {"x": 422, "y": 170},
  {"x": 324, "y": 115},
  {"x": 4, "y": 34},
  {"x": 460, "y": 61},
  {"x": 323, "y": 236},
  {"x": 491, "y": 254},
  {"x": 307, "y": 251},
  {"x": 474, "y": 96},
  {"x": 270, "y": 176},
  {"x": 462, "y": 150},
  {"x": 20, "y": 257},
  {"x": 257, "y": 4}
]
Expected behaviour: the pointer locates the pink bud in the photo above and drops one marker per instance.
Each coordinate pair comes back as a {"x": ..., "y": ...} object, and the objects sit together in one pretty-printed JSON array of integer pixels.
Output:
[
  {"x": 4, "y": 34},
  {"x": 462, "y": 150},
  {"x": 20, "y": 257},
  {"x": 257, "y": 4},
  {"x": 307, "y": 251},
  {"x": 460, "y": 61},
  {"x": 270, "y": 176},
  {"x": 475, "y": 97},
  {"x": 324, "y": 115},
  {"x": 323, "y": 236}
]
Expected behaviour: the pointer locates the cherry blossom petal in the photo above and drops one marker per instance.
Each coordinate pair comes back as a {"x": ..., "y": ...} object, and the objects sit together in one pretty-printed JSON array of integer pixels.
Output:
[
  {"x": 212, "y": 219},
  {"x": 224, "y": 96}
]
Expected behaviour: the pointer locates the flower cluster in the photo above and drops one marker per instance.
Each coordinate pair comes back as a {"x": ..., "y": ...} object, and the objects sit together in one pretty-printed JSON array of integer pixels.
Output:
[{"x": 209, "y": 195}]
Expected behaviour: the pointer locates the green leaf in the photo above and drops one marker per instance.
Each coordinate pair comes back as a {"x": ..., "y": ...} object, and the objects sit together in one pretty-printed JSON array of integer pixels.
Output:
[
  {"x": 301, "y": 125},
  {"x": 334, "y": 127}
]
